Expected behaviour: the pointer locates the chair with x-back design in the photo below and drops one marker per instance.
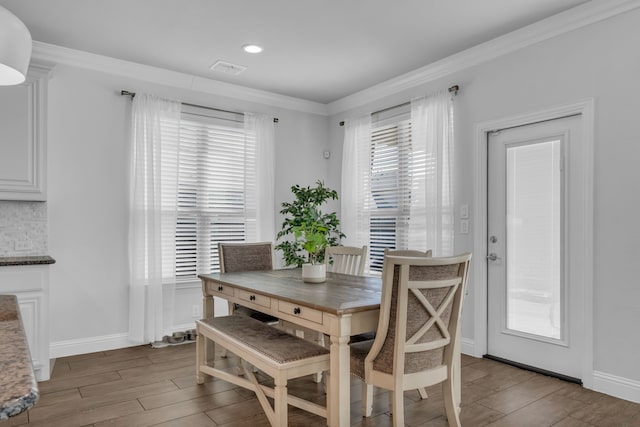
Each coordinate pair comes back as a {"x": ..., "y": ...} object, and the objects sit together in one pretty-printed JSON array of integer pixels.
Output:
[{"x": 417, "y": 331}]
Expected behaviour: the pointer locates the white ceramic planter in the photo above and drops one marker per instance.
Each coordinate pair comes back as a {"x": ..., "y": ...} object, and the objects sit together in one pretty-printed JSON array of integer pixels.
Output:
[{"x": 314, "y": 273}]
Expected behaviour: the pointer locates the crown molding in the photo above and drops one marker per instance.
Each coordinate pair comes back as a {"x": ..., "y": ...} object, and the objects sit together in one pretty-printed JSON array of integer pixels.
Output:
[
  {"x": 48, "y": 53},
  {"x": 570, "y": 20},
  {"x": 567, "y": 21}
]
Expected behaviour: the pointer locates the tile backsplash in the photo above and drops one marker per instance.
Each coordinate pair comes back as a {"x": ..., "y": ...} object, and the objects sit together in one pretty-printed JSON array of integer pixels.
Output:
[{"x": 23, "y": 228}]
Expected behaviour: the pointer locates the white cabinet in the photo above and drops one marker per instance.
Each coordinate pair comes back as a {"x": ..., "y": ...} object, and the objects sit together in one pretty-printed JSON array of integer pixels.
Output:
[
  {"x": 30, "y": 283},
  {"x": 23, "y": 128}
]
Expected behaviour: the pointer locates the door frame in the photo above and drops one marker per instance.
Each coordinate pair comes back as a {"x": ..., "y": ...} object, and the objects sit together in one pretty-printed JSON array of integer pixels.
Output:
[{"x": 586, "y": 109}]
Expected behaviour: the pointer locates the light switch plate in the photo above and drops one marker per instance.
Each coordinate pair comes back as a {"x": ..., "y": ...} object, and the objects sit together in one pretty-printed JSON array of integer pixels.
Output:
[
  {"x": 464, "y": 211},
  {"x": 464, "y": 226}
]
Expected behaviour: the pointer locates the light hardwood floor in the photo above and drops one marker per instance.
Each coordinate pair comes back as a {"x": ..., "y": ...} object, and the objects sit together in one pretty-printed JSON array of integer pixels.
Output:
[{"x": 142, "y": 386}]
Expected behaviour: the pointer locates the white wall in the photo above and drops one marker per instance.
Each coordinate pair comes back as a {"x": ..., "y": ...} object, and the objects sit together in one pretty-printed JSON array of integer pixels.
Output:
[
  {"x": 599, "y": 61},
  {"x": 88, "y": 196},
  {"x": 88, "y": 193}
]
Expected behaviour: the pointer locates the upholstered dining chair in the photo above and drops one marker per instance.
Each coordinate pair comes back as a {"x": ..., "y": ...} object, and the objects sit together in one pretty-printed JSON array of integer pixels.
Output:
[
  {"x": 346, "y": 259},
  {"x": 417, "y": 331},
  {"x": 397, "y": 252},
  {"x": 236, "y": 257},
  {"x": 408, "y": 252}
]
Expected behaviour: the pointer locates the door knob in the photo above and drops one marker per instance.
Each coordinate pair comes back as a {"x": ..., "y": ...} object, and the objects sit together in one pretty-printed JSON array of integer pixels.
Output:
[{"x": 492, "y": 256}]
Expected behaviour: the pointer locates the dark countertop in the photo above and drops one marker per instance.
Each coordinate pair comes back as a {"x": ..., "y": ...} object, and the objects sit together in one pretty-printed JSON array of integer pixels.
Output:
[
  {"x": 9, "y": 261},
  {"x": 18, "y": 386}
]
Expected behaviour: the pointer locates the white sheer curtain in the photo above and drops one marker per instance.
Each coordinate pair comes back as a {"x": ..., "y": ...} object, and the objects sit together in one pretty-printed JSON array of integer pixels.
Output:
[
  {"x": 260, "y": 127},
  {"x": 356, "y": 182},
  {"x": 431, "y": 211},
  {"x": 152, "y": 216},
  {"x": 423, "y": 180}
]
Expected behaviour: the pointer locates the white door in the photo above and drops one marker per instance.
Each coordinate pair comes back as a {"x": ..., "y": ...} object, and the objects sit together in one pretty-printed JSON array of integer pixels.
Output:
[{"x": 535, "y": 220}]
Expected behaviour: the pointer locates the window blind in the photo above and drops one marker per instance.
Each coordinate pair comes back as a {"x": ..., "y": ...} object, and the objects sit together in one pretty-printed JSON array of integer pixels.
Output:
[
  {"x": 216, "y": 190},
  {"x": 396, "y": 179},
  {"x": 391, "y": 171}
]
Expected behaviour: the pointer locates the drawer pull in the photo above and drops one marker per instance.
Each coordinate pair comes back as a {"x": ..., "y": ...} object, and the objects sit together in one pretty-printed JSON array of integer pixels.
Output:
[
  {"x": 220, "y": 288},
  {"x": 252, "y": 298},
  {"x": 299, "y": 311}
]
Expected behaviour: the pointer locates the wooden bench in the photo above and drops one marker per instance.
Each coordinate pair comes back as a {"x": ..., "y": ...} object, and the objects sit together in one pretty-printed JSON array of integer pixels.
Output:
[{"x": 273, "y": 351}]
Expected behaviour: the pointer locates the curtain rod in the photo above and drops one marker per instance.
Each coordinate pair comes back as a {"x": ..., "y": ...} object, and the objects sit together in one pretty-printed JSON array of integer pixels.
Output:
[
  {"x": 453, "y": 89},
  {"x": 133, "y": 94}
]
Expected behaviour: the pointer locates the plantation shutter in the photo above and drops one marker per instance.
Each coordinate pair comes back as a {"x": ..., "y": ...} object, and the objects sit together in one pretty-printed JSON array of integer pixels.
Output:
[{"x": 216, "y": 191}]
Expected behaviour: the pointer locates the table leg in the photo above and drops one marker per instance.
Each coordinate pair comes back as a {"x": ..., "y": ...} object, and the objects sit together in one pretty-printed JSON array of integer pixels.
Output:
[
  {"x": 208, "y": 312},
  {"x": 339, "y": 382}
]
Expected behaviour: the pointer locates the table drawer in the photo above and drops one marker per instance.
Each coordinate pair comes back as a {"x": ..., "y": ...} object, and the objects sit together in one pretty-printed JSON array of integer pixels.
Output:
[
  {"x": 253, "y": 298},
  {"x": 300, "y": 311},
  {"x": 218, "y": 289}
]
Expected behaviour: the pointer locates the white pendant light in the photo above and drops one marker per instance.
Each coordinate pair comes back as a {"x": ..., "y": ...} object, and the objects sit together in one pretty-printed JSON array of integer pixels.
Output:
[{"x": 15, "y": 49}]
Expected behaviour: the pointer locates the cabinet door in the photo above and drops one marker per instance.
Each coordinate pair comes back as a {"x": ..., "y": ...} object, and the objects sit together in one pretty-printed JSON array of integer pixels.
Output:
[
  {"x": 31, "y": 285},
  {"x": 22, "y": 138}
]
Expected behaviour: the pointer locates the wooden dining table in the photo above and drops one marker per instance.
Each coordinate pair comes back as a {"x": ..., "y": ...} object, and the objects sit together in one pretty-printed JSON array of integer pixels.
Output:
[{"x": 342, "y": 306}]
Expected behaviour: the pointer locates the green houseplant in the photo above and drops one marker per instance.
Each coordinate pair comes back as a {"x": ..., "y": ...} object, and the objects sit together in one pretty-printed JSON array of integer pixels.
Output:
[{"x": 308, "y": 231}]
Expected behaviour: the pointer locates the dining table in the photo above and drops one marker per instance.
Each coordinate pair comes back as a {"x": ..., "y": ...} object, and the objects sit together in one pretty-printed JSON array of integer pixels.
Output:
[{"x": 342, "y": 306}]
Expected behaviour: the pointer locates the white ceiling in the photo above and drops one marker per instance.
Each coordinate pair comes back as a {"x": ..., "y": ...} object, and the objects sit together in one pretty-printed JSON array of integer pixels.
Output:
[{"x": 319, "y": 50}]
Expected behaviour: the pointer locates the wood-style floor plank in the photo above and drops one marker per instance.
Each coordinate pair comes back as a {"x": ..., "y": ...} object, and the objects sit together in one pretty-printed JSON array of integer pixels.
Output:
[{"x": 143, "y": 386}]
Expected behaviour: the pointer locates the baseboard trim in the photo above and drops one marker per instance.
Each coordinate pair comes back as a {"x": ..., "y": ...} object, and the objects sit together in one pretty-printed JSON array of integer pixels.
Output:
[
  {"x": 184, "y": 327},
  {"x": 468, "y": 347},
  {"x": 89, "y": 345},
  {"x": 101, "y": 343},
  {"x": 619, "y": 387}
]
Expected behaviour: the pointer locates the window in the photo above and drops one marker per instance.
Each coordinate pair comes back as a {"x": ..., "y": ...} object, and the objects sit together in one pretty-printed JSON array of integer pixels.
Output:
[
  {"x": 390, "y": 191},
  {"x": 396, "y": 179},
  {"x": 216, "y": 189}
]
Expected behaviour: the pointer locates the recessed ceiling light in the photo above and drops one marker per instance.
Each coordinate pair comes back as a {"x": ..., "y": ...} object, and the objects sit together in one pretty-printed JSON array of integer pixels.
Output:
[{"x": 252, "y": 48}]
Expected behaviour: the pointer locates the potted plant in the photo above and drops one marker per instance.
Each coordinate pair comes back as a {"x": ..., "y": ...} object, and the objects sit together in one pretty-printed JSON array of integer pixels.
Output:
[{"x": 309, "y": 230}]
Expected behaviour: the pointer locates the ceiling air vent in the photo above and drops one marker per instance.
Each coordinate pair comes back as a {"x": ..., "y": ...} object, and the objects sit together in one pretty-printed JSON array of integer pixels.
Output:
[{"x": 228, "y": 68}]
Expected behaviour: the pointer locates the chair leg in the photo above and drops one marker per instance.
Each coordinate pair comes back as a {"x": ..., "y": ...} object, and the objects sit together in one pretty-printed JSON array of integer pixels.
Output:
[
  {"x": 423, "y": 393},
  {"x": 200, "y": 356},
  {"x": 327, "y": 392},
  {"x": 397, "y": 408},
  {"x": 241, "y": 368},
  {"x": 449, "y": 403},
  {"x": 317, "y": 377},
  {"x": 367, "y": 399}
]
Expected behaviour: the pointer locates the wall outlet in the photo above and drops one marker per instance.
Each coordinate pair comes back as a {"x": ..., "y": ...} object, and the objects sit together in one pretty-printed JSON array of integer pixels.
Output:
[
  {"x": 196, "y": 310},
  {"x": 21, "y": 245}
]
